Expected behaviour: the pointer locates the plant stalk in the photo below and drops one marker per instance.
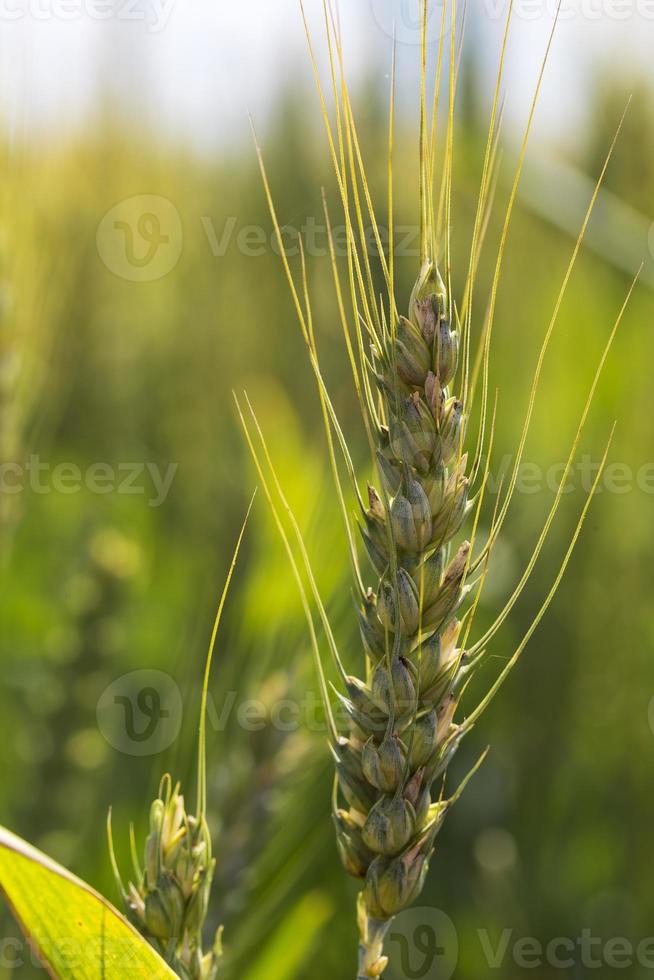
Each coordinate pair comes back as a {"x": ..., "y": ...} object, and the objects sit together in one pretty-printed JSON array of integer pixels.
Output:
[{"x": 372, "y": 961}]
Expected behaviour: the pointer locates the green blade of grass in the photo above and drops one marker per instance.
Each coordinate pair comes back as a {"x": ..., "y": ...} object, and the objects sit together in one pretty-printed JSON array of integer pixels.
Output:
[{"x": 77, "y": 934}]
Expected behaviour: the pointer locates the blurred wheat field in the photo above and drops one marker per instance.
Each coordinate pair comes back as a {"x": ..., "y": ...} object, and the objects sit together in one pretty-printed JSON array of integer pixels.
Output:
[{"x": 95, "y": 368}]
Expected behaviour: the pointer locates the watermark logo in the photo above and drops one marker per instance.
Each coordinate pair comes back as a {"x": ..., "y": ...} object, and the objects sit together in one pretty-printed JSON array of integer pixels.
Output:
[
  {"x": 141, "y": 713},
  {"x": 402, "y": 19},
  {"x": 69, "y": 952},
  {"x": 153, "y": 14},
  {"x": 148, "y": 480},
  {"x": 141, "y": 238},
  {"x": 422, "y": 944}
]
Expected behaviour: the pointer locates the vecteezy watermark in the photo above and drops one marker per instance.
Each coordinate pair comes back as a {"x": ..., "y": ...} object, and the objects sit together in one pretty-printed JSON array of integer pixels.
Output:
[
  {"x": 590, "y": 10},
  {"x": 254, "y": 241},
  {"x": 584, "y": 951},
  {"x": 304, "y": 712},
  {"x": 422, "y": 943},
  {"x": 617, "y": 478},
  {"x": 402, "y": 19},
  {"x": 153, "y": 14},
  {"x": 141, "y": 712},
  {"x": 141, "y": 238},
  {"x": 148, "y": 480},
  {"x": 67, "y": 952}
]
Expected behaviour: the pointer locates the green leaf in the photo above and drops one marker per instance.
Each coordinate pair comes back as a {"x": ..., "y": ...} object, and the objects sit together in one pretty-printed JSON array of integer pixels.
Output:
[{"x": 77, "y": 934}]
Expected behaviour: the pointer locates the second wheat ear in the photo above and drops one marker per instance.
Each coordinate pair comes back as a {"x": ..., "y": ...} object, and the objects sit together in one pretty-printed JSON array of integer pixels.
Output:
[
  {"x": 416, "y": 381},
  {"x": 168, "y": 898}
]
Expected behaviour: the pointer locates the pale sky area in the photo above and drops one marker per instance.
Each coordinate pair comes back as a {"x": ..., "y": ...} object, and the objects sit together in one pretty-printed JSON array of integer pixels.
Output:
[{"x": 192, "y": 67}]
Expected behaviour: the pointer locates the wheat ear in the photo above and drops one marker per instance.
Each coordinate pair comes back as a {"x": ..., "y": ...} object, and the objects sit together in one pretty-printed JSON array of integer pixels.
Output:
[
  {"x": 416, "y": 380},
  {"x": 168, "y": 900}
]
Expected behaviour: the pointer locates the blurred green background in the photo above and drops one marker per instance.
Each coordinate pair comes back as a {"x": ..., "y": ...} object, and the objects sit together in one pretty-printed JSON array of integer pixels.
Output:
[{"x": 554, "y": 835}]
